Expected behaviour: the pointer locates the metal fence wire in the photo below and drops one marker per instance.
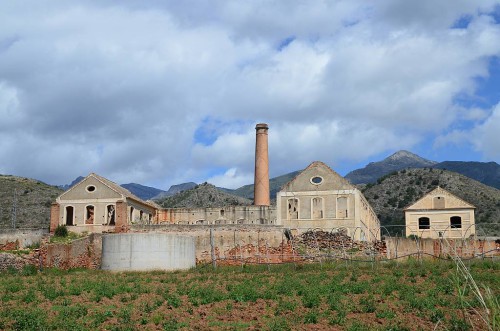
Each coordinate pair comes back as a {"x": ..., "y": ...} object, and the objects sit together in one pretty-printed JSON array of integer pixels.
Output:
[{"x": 327, "y": 245}]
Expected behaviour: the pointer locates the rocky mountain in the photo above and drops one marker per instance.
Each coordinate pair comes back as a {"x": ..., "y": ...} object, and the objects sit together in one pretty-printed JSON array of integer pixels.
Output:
[
  {"x": 485, "y": 172},
  {"x": 141, "y": 191},
  {"x": 31, "y": 199},
  {"x": 395, "y": 191},
  {"x": 174, "y": 189},
  {"x": 397, "y": 161},
  {"x": 203, "y": 195}
]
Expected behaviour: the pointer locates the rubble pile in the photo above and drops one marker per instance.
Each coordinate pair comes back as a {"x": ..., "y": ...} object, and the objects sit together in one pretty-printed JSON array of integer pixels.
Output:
[{"x": 327, "y": 241}]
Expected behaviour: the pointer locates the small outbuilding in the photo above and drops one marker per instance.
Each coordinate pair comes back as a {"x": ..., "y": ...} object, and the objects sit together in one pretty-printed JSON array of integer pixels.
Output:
[
  {"x": 440, "y": 214},
  {"x": 97, "y": 204}
]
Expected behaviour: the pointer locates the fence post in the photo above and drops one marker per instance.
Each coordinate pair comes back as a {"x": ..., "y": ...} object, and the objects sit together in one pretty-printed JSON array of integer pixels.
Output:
[{"x": 214, "y": 261}]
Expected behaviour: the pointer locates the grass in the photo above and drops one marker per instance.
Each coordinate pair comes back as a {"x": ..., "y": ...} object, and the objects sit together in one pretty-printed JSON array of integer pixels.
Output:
[
  {"x": 66, "y": 239},
  {"x": 403, "y": 296}
]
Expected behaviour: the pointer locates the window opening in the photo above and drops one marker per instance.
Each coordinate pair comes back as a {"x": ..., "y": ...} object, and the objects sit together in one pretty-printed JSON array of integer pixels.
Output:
[
  {"x": 293, "y": 212},
  {"x": 317, "y": 180},
  {"x": 424, "y": 223},
  {"x": 110, "y": 214},
  {"x": 69, "y": 215},
  {"x": 89, "y": 217},
  {"x": 317, "y": 206},
  {"x": 456, "y": 222},
  {"x": 342, "y": 211}
]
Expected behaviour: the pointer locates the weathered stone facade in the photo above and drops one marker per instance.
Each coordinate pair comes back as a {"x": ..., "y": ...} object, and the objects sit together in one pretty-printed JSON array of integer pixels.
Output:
[
  {"x": 217, "y": 216},
  {"x": 96, "y": 204},
  {"x": 319, "y": 198}
]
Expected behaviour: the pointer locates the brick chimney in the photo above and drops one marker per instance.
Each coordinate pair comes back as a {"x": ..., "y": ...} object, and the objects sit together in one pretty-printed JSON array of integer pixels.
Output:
[{"x": 261, "y": 182}]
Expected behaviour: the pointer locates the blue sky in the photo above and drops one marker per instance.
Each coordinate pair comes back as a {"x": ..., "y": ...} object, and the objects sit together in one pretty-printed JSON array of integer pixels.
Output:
[{"x": 165, "y": 92}]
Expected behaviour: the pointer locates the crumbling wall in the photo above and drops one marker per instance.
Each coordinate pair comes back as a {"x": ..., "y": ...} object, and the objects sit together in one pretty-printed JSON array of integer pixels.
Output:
[
  {"x": 11, "y": 239},
  {"x": 17, "y": 261},
  {"x": 237, "y": 244},
  {"x": 400, "y": 247},
  {"x": 81, "y": 253}
]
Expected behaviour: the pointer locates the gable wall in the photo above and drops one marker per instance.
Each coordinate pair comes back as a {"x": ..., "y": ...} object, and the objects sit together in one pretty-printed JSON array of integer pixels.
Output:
[
  {"x": 331, "y": 180},
  {"x": 79, "y": 192}
]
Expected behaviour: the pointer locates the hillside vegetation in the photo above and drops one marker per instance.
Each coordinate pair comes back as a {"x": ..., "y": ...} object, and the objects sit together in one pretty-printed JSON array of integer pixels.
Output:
[
  {"x": 203, "y": 195},
  {"x": 393, "y": 192},
  {"x": 33, "y": 202},
  {"x": 275, "y": 185}
]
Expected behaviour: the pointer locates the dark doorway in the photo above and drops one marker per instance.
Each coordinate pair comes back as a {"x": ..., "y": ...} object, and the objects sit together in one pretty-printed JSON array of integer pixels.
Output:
[{"x": 69, "y": 215}]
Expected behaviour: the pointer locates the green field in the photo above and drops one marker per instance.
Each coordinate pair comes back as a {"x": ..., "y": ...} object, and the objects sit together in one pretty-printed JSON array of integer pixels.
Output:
[{"x": 412, "y": 295}]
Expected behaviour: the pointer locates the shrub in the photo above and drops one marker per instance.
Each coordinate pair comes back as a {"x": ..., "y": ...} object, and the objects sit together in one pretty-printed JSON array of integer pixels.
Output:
[{"x": 61, "y": 231}]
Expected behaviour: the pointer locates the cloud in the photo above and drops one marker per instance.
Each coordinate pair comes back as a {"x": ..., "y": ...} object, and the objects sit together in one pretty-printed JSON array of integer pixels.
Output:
[{"x": 166, "y": 92}]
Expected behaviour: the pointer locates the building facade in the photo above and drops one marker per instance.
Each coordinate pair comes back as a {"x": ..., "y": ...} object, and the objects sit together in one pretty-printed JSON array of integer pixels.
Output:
[
  {"x": 96, "y": 204},
  {"x": 319, "y": 198},
  {"x": 440, "y": 214}
]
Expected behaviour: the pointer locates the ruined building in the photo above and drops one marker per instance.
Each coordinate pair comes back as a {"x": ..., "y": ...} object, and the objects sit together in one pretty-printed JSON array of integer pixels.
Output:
[
  {"x": 317, "y": 198},
  {"x": 440, "y": 214},
  {"x": 96, "y": 204}
]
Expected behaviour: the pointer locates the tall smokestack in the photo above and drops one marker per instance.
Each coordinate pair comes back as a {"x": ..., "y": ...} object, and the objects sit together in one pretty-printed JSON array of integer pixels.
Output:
[{"x": 261, "y": 182}]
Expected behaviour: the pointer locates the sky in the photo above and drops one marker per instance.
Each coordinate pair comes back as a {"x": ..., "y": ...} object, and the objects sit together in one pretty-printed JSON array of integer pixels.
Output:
[{"x": 167, "y": 92}]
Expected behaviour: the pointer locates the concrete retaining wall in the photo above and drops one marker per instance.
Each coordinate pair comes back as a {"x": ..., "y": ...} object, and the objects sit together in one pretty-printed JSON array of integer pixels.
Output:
[
  {"x": 147, "y": 251},
  {"x": 23, "y": 237}
]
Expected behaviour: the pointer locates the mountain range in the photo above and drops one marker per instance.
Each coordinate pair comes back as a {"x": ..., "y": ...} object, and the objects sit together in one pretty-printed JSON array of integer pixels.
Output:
[
  {"x": 389, "y": 185},
  {"x": 487, "y": 173}
]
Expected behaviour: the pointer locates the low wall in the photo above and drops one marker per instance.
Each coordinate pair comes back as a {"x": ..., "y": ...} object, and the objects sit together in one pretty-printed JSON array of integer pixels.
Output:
[
  {"x": 242, "y": 241},
  {"x": 11, "y": 239},
  {"x": 466, "y": 248},
  {"x": 81, "y": 253},
  {"x": 147, "y": 251}
]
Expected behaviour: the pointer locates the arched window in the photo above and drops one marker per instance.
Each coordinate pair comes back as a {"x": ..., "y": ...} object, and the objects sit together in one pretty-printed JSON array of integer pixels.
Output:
[
  {"x": 131, "y": 214},
  {"x": 456, "y": 222},
  {"x": 293, "y": 209},
  {"x": 342, "y": 209},
  {"x": 110, "y": 215},
  {"x": 317, "y": 208},
  {"x": 69, "y": 215},
  {"x": 89, "y": 214},
  {"x": 424, "y": 223}
]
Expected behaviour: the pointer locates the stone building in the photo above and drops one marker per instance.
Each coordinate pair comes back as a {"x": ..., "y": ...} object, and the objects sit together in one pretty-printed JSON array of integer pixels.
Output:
[
  {"x": 440, "y": 214},
  {"x": 96, "y": 204},
  {"x": 319, "y": 198}
]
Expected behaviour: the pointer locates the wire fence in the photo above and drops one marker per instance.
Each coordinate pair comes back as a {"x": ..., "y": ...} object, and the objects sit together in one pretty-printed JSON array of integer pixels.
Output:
[{"x": 269, "y": 247}]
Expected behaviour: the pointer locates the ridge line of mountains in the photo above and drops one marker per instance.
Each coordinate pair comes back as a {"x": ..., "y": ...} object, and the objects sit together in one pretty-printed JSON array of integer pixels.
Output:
[{"x": 487, "y": 173}]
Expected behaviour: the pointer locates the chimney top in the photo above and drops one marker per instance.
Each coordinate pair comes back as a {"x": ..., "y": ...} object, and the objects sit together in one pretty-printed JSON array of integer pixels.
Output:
[{"x": 261, "y": 126}]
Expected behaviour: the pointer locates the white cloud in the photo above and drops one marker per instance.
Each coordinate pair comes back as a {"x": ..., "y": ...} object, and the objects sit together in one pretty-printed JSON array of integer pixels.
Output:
[
  {"x": 486, "y": 136},
  {"x": 121, "y": 89}
]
